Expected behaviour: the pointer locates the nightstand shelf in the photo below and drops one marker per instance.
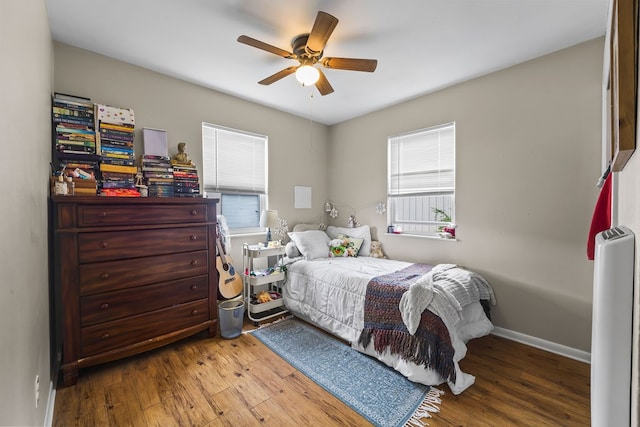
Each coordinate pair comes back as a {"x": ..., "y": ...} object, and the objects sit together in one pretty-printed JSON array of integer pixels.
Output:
[{"x": 268, "y": 279}]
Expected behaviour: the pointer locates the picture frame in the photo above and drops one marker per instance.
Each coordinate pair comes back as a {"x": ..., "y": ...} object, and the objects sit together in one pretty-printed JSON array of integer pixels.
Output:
[{"x": 623, "y": 81}]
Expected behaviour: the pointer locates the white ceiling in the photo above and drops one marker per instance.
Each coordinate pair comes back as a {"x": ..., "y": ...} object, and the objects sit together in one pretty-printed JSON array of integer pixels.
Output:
[{"x": 421, "y": 45}]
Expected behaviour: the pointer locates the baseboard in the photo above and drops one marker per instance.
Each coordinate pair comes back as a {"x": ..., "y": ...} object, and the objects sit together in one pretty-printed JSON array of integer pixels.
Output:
[
  {"x": 51, "y": 403},
  {"x": 549, "y": 346}
]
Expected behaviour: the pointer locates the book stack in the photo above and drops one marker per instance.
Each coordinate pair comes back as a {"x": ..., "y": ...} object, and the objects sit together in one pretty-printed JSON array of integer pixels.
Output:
[
  {"x": 185, "y": 179},
  {"x": 158, "y": 175},
  {"x": 75, "y": 152},
  {"x": 115, "y": 134}
]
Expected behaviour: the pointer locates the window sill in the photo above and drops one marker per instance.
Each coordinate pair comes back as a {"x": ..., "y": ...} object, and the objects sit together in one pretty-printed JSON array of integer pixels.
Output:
[{"x": 418, "y": 236}]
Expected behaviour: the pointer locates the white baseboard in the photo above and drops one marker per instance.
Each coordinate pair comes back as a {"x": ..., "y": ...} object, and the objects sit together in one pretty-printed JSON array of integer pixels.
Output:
[
  {"x": 51, "y": 403},
  {"x": 552, "y": 347}
]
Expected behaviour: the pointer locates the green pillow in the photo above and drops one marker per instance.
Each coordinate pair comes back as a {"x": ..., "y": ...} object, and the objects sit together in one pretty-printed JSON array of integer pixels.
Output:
[{"x": 345, "y": 246}]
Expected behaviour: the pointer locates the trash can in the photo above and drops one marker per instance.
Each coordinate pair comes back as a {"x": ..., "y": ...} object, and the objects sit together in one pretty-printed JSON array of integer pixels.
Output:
[{"x": 231, "y": 317}]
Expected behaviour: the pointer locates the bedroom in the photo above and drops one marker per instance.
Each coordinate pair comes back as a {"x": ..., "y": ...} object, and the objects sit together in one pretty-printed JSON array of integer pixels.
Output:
[{"x": 524, "y": 228}]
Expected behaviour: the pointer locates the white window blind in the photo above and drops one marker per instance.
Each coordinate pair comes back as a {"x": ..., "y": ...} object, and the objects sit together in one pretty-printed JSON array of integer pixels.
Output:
[
  {"x": 235, "y": 161},
  {"x": 422, "y": 162},
  {"x": 421, "y": 179},
  {"x": 235, "y": 170}
]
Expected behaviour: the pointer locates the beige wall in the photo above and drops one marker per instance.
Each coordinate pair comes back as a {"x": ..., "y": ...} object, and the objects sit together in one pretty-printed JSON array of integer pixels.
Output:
[
  {"x": 527, "y": 155},
  {"x": 528, "y": 158},
  {"x": 297, "y": 147},
  {"x": 25, "y": 117}
]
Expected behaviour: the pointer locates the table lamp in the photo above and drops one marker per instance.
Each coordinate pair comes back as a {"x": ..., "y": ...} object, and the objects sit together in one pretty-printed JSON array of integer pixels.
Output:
[{"x": 269, "y": 219}]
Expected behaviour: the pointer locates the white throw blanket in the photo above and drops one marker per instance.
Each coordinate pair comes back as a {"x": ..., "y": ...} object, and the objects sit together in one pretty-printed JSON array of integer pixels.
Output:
[{"x": 445, "y": 291}]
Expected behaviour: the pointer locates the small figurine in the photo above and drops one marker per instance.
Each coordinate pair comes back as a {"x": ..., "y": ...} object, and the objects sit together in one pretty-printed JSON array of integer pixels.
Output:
[{"x": 181, "y": 157}]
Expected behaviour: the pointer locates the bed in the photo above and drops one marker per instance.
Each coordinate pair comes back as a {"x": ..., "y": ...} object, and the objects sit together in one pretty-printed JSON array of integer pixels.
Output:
[{"x": 415, "y": 318}]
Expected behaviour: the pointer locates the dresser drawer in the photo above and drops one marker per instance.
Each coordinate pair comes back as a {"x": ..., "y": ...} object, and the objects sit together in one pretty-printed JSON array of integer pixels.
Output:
[
  {"x": 106, "y": 245},
  {"x": 91, "y": 216},
  {"x": 114, "y": 275},
  {"x": 115, "y": 305},
  {"x": 130, "y": 330}
]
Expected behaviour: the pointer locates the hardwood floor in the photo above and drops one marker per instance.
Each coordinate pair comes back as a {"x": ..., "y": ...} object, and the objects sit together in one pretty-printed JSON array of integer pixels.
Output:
[{"x": 240, "y": 382}]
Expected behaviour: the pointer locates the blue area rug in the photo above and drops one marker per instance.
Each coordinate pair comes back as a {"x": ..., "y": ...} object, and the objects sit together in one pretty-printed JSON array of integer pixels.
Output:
[{"x": 381, "y": 395}]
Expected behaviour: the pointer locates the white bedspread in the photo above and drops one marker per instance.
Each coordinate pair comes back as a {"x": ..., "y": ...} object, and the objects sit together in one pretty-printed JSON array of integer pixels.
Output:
[{"x": 330, "y": 293}]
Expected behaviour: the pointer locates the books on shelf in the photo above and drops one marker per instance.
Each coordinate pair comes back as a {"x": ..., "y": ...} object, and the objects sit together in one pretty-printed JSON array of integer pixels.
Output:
[
  {"x": 158, "y": 175},
  {"x": 114, "y": 142},
  {"x": 186, "y": 182},
  {"x": 74, "y": 129}
]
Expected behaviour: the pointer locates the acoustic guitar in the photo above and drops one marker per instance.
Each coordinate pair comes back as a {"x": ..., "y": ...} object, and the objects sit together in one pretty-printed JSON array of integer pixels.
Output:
[{"x": 230, "y": 283}]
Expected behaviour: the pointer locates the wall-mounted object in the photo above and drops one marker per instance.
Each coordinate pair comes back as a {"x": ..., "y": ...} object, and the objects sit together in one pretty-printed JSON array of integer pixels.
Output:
[
  {"x": 623, "y": 80},
  {"x": 302, "y": 197}
]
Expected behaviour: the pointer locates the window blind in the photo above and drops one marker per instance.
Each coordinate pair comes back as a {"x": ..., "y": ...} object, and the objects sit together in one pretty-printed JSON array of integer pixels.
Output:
[
  {"x": 235, "y": 161},
  {"x": 422, "y": 162}
]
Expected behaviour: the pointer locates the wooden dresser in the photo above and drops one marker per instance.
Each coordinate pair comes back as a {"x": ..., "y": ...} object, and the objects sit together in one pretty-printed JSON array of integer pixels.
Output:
[{"x": 130, "y": 275}]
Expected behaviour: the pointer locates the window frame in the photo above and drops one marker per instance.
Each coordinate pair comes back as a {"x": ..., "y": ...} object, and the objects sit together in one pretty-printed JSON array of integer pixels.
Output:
[
  {"x": 217, "y": 191},
  {"x": 440, "y": 195}
]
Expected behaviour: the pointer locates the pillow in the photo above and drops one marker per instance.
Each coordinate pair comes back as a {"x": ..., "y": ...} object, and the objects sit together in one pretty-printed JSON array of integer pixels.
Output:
[
  {"x": 344, "y": 246},
  {"x": 312, "y": 244},
  {"x": 307, "y": 227},
  {"x": 362, "y": 232},
  {"x": 291, "y": 250}
]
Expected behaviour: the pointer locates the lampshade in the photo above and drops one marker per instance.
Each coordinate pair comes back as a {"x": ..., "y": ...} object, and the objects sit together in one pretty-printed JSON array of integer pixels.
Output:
[
  {"x": 269, "y": 219},
  {"x": 307, "y": 75}
]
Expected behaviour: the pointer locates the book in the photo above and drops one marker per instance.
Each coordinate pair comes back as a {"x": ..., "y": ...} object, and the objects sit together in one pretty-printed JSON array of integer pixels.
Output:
[
  {"x": 123, "y": 128},
  {"x": 74, "y": 120},
  {"x": 72, "y": 98},
  {"x": 71, "y": 112},
  {"x": 76, "y": 142},
  {"x": 117, "y": 162},
  {"x": 75, "y": 148},
  {"x": 107, "y": 114},
  {"x": 118, "y": 168}
]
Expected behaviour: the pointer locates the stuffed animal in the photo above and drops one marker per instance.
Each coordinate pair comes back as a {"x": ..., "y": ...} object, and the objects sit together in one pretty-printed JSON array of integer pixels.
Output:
[
  {"x": 263, "y": 296},
  {"x": 376, "y": 249}
]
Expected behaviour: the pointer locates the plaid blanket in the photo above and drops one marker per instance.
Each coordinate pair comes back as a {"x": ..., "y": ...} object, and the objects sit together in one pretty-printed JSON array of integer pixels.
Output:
[{"x": 431, "y": 344}]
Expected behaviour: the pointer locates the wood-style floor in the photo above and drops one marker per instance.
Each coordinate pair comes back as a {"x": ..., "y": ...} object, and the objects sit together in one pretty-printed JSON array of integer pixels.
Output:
[{"x": 240, "y": 382}]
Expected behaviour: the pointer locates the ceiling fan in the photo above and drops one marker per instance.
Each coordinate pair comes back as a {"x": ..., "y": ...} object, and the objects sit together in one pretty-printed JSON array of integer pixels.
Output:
[{"x": 308, "y": 49}]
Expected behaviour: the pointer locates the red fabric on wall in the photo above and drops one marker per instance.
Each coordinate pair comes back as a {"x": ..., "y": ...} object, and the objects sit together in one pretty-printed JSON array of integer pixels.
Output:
[{"x": 601, "y": 216}]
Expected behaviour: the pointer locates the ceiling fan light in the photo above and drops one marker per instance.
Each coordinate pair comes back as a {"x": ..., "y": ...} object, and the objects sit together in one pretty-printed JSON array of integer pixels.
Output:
[{"x": 307, "y": 75}]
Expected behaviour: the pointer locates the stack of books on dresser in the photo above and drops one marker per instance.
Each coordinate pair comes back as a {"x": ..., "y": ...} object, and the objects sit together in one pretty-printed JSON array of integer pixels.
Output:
[
  {"x": 75, "y": 153},
  {"x": 186, "y": 182},
  {"x": 158, "y": 175},
  {"x": 115, "y": 134}
]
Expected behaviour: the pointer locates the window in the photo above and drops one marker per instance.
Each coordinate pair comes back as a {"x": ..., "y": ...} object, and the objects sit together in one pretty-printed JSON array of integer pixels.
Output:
[
  {"x": 235, "y": 168},
  {"x": 421, "y": 180}
]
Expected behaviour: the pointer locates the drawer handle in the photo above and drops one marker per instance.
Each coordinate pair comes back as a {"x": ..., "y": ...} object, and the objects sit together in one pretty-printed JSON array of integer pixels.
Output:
[
  {"x": 105, "y": 336},
  {"x": 194, "y": 212},
  {"x": 104, "y": 306},
  {"x": 103, "y": 245},
  {"x": 104, "y": 276},
  {"x": 194, "y": 312},
  {"x": 193, "y": 237},
  {"x": 194, "y": 263},
  {"x": 102, "y": 214},
  {"x": 194, "y": 287}
]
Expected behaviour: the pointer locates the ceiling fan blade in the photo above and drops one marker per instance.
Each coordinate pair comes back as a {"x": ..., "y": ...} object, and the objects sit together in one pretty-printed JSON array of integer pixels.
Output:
[
  {"x": 320, "y": 33},
  {"x": 323, "y": 85},
  {"x": 279, "y": 75},
  {"x": 353, "y": 64},
  {"x": 265, "y": 46}
]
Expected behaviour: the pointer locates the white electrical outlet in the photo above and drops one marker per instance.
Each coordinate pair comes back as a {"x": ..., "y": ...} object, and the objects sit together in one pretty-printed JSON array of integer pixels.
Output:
[{"x": 36, "y": 386}]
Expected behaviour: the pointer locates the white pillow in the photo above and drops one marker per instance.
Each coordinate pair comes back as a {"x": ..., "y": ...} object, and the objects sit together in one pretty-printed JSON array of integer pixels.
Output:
[
  {"x": 362, "y": 232},
  {"x": 312, "y": 244},
  {"x": 291, "y": 250}
]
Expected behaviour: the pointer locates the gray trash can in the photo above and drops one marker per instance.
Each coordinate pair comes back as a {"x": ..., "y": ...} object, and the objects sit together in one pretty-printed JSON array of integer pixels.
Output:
[{"x": 231, "y": 317}]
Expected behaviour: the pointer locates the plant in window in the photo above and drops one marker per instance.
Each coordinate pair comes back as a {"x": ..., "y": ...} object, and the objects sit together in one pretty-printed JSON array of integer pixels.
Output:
[{"x": 441, "y": 216}]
